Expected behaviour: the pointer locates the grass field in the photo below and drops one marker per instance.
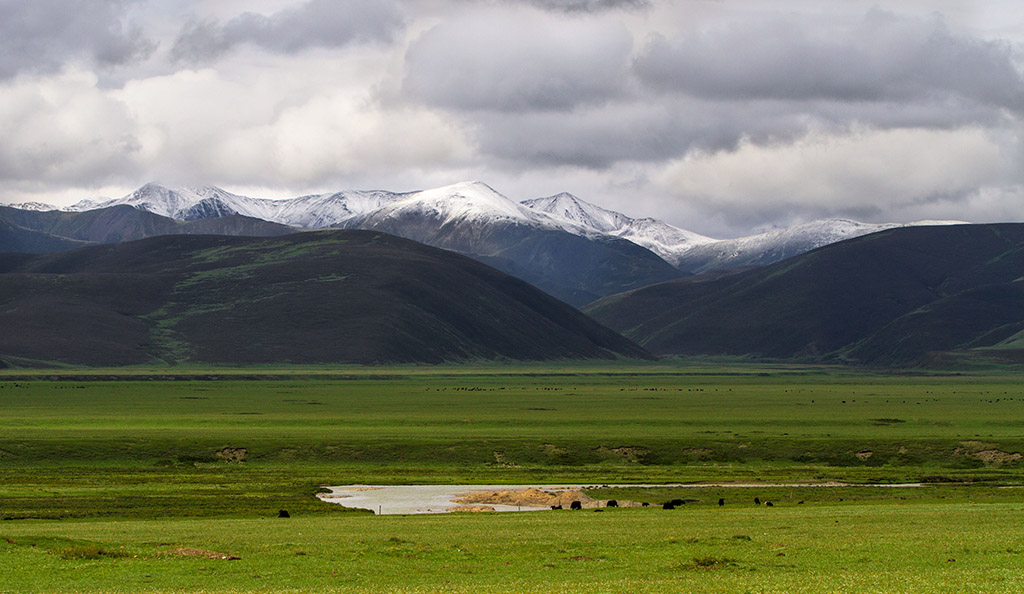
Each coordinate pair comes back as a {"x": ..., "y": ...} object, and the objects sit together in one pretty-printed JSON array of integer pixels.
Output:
[{"x": 103, "y": 475}]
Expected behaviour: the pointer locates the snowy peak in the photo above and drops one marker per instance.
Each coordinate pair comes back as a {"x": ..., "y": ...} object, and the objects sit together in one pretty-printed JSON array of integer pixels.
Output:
[
  {"x": 467, "y": 201},
  {"x": 169, "y": 202},
  {"x": 779, "y": 244},
  {"x": 209, "y": 208},
  {"x": 661, "y": 238},
  {"x": 568, "y": 207},
  {"x": 477, "y": 204},
  {"x": 199, "y": 202},
  {"x": 36, "y": 206}
]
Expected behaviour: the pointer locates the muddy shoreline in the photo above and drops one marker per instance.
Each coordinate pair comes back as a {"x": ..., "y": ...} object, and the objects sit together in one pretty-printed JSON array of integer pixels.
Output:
[{"x": 439, "y": 499}]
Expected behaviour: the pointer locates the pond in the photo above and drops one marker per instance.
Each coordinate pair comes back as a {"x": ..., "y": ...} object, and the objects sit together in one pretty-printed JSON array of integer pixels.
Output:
[{"x": 439, "y": 499}]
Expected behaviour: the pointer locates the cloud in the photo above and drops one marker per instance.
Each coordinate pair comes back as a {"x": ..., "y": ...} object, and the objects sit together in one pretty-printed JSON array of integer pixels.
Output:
[
  {"x": 547, "y": 103},
  {"x": 43, "y": 36},
  {"x": 64, "y": 130},
  {"x": 202, "y": 127},
  {"x": 882, "y": 57},
  {"x": 587, "y": 6},
  {"x": 513, "y": 62},
  {"x": 316, "y": 23},
  {"x": 862, "y": 174}
]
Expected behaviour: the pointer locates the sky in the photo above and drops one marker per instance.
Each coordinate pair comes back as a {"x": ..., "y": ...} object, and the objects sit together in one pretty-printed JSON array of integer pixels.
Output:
[{"x": 724, "y": 117}]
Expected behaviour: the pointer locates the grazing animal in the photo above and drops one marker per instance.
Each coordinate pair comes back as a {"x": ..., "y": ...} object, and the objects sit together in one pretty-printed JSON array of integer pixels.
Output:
[
  {"x": 556, "y": 507},
  {"x": 612, "y": 503},
  {"x": 757, "y": 501},
  {"x": 801, "y": 502},
  {"x": 721, "y": 502},
  {"x": 575, "y": 505},
  {"x": 769, "y": 504},
  {"x": 668, "y": 505},
  {"x": 677, "y": 502},
  {"x": 283, "y": 514},
  {"x": 645, "y": 504}
]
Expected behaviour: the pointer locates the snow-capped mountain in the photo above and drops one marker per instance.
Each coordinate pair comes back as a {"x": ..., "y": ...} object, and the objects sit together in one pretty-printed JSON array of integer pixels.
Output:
[
  {"x": 570, "y": 208},
  {"x": 556, "y": 255},
  {"x": 474, "y": 202},
  {"x": 463, "y": 216},
  {"x": 779, "y": 244},
  {"x": 664, "y": 239},
  {"x": 191, "y": 203},
  {"x": 35, "y": 206}
]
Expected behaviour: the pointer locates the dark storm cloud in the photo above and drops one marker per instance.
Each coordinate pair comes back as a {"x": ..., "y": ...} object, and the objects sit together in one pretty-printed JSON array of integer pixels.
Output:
[
  {"x": 317, "y": 23},
  {"x": 659, "y": 129},
  {"x": 598, "y": 137},
  {"x": 531, "y": 97},
  {"x": 502, "y": 63},
  {"x": 884, "y": 57},
  {"x": 45, "y": 35}
]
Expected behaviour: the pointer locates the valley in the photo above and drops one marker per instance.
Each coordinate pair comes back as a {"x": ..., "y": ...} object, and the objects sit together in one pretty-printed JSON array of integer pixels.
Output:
[{"x": 107, "y": 476}]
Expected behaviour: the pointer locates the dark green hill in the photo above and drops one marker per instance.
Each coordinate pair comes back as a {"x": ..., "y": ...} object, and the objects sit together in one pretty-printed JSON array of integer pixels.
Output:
[
  {"x": 882, "y": 299},
  {"x": 334, "y": 296},
  {"x": 117, "y": 223}
]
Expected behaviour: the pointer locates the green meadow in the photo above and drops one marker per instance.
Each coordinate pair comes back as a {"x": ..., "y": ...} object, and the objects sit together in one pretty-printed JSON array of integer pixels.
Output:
[{"x": 139, "y": 480}]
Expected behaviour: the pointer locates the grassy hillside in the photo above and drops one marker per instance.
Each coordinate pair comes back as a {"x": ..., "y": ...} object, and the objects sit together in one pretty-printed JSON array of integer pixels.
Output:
[
  {"x": 883, "y": 299},
  {"x": 334, "y": 296}
]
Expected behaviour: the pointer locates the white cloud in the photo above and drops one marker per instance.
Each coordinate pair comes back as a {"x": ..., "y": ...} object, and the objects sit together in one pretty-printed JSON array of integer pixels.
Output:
[
  {"x": 64, "y": 130},
  {"x": 870, "y": 170},
  {"x": 200, "y": 127},
  {"x": 737, "y": 114}
]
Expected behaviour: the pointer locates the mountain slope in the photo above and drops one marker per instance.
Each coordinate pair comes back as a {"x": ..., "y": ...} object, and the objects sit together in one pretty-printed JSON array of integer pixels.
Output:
[
  {"x": 15, "y": 238},
  {"x": 773, "y": 246},
  {"x": 881, "y": 299},
  {"x": 661, "y": 238},
  {"x": 189, "y": 203},
  {"x": 119, "y": 223},
  {"x": 475, "y": 220},
  {"x": 519, "y": 238},
  {"x": 318, "y": 297}
]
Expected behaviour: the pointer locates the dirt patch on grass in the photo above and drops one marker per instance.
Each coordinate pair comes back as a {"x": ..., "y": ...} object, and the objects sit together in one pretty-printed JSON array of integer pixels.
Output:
[
  {"x": 473, "y": 508},
  {"x": 236, "y": 455},
  {"x": 199, "y": 554},
  {"x": 525, "y": 497},
  {"x": 988, "y": 454},
  {"x": 501, "y": 461},
  {"x": 552, "y": 450},
  {"x": 699, "y": 453},
  {"x": 627, "y": 453},
  {"x": 534, "y": 497},
  {"x": 997, "y": 457}
]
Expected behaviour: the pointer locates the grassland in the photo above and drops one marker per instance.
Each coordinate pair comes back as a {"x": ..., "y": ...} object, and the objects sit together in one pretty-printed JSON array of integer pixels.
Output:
[{"x": 106, "y": 477}]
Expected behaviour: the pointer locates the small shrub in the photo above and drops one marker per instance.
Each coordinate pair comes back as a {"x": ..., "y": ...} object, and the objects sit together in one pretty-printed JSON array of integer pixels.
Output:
[
  {"x": 89, "y": 552},
  {"x": 711, "y": 562}
]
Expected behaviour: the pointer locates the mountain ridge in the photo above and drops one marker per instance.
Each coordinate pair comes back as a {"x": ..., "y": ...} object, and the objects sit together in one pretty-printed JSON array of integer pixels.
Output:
[
  {"x": 686, "y": 250},
  {"x": 333, "y": 296},
  {"x": 889, "y": 298}
]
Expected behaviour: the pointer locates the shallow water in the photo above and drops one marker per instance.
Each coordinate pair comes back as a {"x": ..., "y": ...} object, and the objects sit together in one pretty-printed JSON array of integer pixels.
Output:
[
  {"x": 439, "y": 499},
  {"x": 421, "y": 499}
]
